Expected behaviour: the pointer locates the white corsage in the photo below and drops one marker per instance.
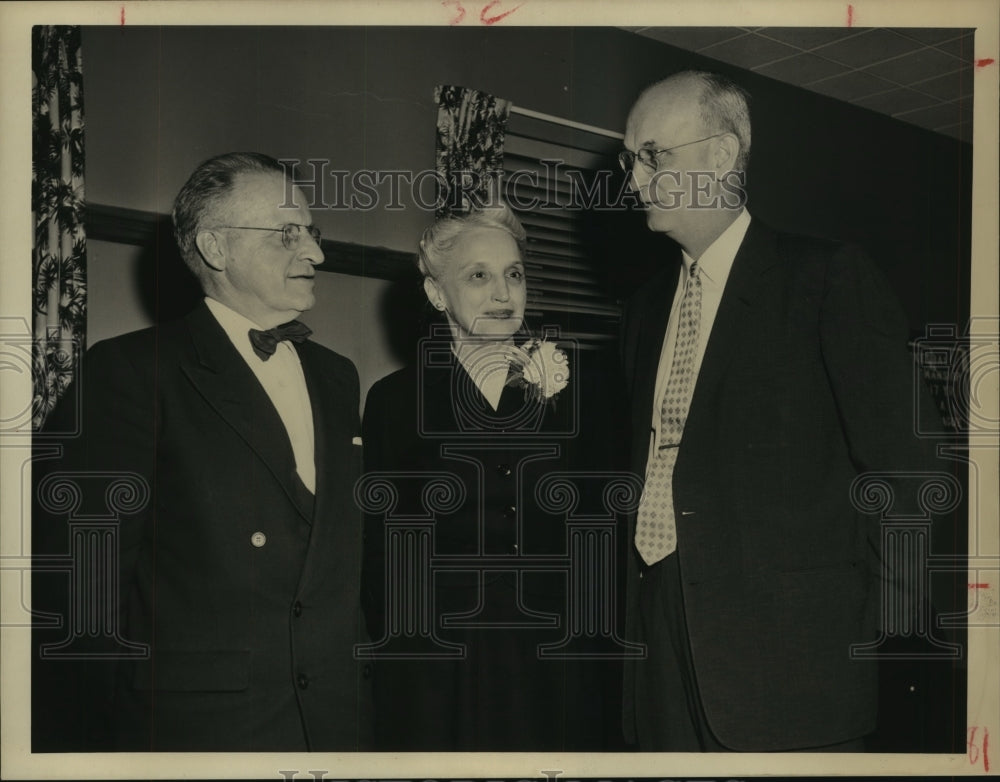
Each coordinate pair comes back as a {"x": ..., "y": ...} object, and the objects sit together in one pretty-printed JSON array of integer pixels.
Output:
[{"x": 540, "y": 368}]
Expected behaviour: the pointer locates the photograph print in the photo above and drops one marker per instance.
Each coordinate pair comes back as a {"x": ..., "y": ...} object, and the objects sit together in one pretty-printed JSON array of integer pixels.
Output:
[{"x": 497, "y": 386}]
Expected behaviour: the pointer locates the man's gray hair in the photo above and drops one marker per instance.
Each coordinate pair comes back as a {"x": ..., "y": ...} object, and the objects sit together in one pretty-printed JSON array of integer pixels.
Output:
[
  {"x": 206, "y": 189},
  {"x": 725, "y": 107}
]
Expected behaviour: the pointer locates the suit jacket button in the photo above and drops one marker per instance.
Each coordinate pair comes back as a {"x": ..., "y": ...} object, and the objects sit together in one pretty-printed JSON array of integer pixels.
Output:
[
  {"x": 297, "y": 609},
  {"x": 514, "y": 549},
  {"x": 303, "y": 681},
  {"x": 510, "y": 512},
  {"x": 258, "y": 539},
  {"x": 503, "y": 470}
]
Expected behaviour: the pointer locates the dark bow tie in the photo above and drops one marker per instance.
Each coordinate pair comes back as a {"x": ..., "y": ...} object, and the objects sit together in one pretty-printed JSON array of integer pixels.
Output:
[{"x": 266, "y": 342}]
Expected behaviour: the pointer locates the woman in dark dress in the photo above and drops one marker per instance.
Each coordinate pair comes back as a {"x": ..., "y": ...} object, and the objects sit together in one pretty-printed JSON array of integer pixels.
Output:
[{"x": 490, "y": 557}]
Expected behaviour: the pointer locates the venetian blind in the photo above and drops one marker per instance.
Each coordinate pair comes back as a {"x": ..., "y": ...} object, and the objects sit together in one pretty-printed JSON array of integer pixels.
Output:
[{"x": 555, "y": 174}]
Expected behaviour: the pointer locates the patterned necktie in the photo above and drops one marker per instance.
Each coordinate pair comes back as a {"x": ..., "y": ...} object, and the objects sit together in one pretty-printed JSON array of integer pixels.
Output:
[
  {"x": 266, "y": 342},
  {"x": 656, "y": 530}
]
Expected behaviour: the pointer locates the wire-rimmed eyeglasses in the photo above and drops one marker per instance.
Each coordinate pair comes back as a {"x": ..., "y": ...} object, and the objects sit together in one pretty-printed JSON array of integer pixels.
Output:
[
  {"x": 291, "y": 233},
  {"x": 649, "y": 157}
]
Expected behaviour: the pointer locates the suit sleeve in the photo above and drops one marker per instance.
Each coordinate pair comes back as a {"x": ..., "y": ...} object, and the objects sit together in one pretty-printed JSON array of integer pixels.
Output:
[
  {"x": 115, "y": 409},
  {"x": 864, "y": 337},
  {"x": 373, "y": 435}
]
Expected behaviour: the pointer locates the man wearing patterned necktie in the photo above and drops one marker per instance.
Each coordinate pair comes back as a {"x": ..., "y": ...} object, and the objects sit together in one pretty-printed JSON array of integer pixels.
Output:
[
  {"x": 241, "y": 574},
  {"x": 766, "y": 373}
]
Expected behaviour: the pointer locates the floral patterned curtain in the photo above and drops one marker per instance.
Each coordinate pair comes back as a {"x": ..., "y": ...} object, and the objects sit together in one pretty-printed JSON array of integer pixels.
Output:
[
  {"x": 59, "y": 259},
  {"x": 470, "y": 133}
]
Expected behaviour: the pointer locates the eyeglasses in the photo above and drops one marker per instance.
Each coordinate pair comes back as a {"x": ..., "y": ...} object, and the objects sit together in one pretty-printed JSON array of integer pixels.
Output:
[
  {"x": 291, "y": 233},
  {"x": 648, "y": 157}
]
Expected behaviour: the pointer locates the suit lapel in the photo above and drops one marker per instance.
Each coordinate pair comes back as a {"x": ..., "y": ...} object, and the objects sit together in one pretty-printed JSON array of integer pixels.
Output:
[
  {"x": 223, "y": 378},
  {"x": 733, "y": 324},
  {"x": 650, "y": 330},
  {"x": 332, "y": 437}
]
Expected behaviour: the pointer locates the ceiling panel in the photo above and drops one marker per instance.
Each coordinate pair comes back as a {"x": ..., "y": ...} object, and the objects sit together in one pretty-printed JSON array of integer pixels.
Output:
[
  {"x": 871, "y": 46},
  {"x": 749, "y": 51},
  {"x": 898, "y": 100},
  {"x": 929, "y": 35},
  {"x": 804, "y": 38},
  {"x": 915, "y": 67},
  {"x": 941, "y": 115},
  {"x": 923, "y": 76},
  {"x": 955, "y": 84},
  {"x": 800, "y": 69},
  {"x": 687, "y": 37},
  {"x": 853, "y": 84},
  {"x": 960, "y": 47}
]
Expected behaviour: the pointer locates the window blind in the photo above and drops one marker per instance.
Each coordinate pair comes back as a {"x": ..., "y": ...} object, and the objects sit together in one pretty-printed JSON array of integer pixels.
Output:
[{"x": 554, "y": 175}]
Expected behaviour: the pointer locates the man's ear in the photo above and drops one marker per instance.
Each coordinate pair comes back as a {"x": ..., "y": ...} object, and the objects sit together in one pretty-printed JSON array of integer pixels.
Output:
[
  {"x": 212, "y": 246},
  {"x": 434, "y": 294},
  {"x": 726, "y": 151}
]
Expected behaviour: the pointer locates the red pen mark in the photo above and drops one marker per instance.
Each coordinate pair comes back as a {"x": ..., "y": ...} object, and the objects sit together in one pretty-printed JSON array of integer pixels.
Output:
[
  {"x": 460, "y": 14},
  {"x": 979, "y": 586},
  {"x": 975, "y": 751},
  {"x": 488, "y": 20},
  {"x": 850, "y": 16},
  {"x": 984, "y": 62}
]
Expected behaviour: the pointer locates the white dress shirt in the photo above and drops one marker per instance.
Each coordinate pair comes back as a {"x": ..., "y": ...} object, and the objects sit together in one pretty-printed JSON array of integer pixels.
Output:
[
  {"x": 714, "y": 266},
  {"x": 284, "y": 383}
]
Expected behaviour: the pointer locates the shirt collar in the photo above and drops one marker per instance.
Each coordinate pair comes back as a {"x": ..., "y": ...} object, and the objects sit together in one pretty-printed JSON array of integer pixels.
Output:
[
  {"x": 236, "y": 326},
  {"x": 716, "y": 261}
]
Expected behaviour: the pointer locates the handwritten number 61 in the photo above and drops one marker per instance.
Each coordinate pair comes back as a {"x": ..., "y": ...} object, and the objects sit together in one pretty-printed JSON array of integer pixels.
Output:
[{"x": 977, "y": 749}]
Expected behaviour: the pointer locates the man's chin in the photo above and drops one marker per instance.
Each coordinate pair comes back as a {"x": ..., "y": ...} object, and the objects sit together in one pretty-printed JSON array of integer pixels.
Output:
[
  {"x": 658, "y": 219},
  {"x": 303, "y": 303}
]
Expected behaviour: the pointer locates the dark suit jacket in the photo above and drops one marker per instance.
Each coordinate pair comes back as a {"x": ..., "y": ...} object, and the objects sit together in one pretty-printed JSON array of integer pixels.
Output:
[
  {"x": 805, "y": 383},
  {"x": 250, "y": 638}
]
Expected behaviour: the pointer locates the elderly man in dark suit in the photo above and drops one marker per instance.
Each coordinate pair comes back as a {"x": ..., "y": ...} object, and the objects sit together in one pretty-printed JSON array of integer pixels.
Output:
[
  {"x": 766, "y": 372},
  {"x": 241, "y": 573}
]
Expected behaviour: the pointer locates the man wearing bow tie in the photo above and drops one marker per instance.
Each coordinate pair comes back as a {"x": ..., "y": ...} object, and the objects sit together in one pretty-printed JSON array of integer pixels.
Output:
[{"x": 241, "y": 573}]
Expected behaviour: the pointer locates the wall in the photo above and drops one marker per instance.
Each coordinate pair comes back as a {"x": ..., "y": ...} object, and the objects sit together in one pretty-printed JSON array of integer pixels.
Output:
[{"x": 160, "y": 100}]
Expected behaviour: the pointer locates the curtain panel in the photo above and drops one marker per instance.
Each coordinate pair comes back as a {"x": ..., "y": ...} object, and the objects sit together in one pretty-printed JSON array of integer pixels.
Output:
[
  {"x": 59, "y": 257},
  {"x": 469, "y": 150}
]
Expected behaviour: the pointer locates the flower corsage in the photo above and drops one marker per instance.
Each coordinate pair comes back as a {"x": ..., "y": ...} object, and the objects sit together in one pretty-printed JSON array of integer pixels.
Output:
[{"x": 540, "y": 368}]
